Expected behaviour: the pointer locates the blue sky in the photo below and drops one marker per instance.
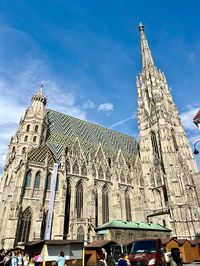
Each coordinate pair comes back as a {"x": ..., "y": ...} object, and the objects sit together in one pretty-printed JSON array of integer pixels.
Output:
[{"x": 87, "y": 53}]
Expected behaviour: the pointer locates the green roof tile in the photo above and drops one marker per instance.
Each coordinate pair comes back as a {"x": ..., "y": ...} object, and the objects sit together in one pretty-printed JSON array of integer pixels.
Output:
[{"x": 132, "y": 225}]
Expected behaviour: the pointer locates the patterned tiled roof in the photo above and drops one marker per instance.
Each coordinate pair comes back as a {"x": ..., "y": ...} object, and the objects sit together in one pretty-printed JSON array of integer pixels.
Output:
[{"x": 63, "y": 130}]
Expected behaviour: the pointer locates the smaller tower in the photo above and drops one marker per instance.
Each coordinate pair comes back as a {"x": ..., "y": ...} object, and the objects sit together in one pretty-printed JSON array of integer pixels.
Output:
[{"x": 32, "y": 128}]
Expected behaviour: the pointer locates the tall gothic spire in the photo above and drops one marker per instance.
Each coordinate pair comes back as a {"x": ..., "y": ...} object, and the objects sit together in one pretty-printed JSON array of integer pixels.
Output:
[{"x": 147, "y": 60}]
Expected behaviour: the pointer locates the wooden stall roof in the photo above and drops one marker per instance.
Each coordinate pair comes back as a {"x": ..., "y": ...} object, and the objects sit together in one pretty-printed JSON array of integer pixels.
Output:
[
  {"x": 51, "y": 242},
  {"x": 165, "y": 241},
  {"x": 99, "y": 244}
]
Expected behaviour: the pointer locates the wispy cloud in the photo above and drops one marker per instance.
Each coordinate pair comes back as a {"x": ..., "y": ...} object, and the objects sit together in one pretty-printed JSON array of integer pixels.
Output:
[
  {"x": 89, "y": 105},
  {"x": 123, "y": 121},
  {"x": 105, "y": 107},
  {"x": 187, "y": 117}
]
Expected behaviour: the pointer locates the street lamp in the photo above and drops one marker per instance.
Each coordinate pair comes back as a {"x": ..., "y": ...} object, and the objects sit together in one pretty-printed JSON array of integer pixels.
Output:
[{"x": 195, "y": 150}]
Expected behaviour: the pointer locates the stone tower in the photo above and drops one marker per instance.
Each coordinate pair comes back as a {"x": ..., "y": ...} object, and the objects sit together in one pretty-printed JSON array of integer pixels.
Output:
[
  {"x": 30, "y": 134},
  {"x": 167, "y": 161}
]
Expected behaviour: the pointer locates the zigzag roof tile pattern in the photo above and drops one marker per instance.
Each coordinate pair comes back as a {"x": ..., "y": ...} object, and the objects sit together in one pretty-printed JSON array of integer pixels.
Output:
[{"x": 63, "y": 130}]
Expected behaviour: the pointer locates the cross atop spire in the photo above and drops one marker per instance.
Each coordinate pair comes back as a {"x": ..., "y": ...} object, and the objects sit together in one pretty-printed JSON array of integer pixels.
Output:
[{"x": 147, "y": 60}]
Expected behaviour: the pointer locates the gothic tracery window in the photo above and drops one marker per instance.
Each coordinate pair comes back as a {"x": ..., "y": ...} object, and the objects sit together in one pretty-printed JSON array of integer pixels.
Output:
[
  {"x": 105, "y": 205},
  {"x": 25, "y": 225},
  {"x": 79, "y": 199},
  {"x": 27, "y": 182},
  {"x": 48, "y": 182},
  {"x": 128, "y": 206},
  {"x": 57, "y": 183},
  {"x": 37, "y": 180},
  {"x": 154, "y": 144},
  {"x": 80, "y": 233}
]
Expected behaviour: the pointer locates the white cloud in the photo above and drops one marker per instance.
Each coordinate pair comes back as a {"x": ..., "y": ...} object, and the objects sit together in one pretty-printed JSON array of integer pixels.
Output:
[
  {"x": 187, "y": 118},
  {"x": 105, "y": 107},
  {"x": 89, "y": 105}
]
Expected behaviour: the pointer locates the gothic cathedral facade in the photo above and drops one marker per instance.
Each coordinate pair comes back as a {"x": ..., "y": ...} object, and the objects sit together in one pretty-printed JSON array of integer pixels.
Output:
[{"x": 103, "y": 175}]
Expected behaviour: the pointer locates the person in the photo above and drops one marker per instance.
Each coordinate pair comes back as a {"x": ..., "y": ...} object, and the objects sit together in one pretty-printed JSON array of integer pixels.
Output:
[
  {"x": 61, "y": 259},
  {"x": 37, "y": 260},
  {"x": 14, "y": 259},
  {"x": 2, "y": 255},
  {"x": 101, "y": 261},
  {"x": 176, "y": 258},
  {"x": 7, "y": 258},
  {"x": 20, "y": 259},
  {"x": 26, "y": 260},
  {"x": 105, "y": 253},
  {"x": 122, "y": 261}
]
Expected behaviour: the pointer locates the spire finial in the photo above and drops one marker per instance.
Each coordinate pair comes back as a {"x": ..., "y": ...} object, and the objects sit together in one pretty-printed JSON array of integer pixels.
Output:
[
  {"x": 39, "y": 96},
  {"x": 141, "y": 26},
  {"x": 147, "y": 60}
]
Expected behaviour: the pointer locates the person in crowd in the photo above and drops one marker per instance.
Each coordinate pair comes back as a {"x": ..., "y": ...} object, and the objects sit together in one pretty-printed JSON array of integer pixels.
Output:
[
  {"x": 176, "y": 257},
  {"x": 37, "y": 260},
  {"x": 14, "y": 259},
  {"x": 7, "y": 258},
  {"x": 20, "y": 259},
  {"x": 26, "y": 260},
  {"x": 122, "y": 261},
  {"x": 2, "y": 255},
  {"x": 102, "y": 261},
  {"x": 61, "y": 259}
]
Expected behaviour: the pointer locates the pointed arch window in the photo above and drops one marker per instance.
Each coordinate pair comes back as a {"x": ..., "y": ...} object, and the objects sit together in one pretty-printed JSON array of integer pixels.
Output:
[
  {"x": 174, "y": 140},
  {"x": 48, "y": 182},
  {"x": 25, "y": 226},
  {"x": 79, "y": 199},
  {"x": 105, "y": 205},
  {"x": 154, "y": 144},
  {"x": 27, "y": 182},
  {"x": 28, "y": 128},
  {"x": 37, "y": 180},
  {"x": 57, "y": 183},
  {"x": 25, "y": 138},
  {"x": 36, "y": 128},
  {"x": 24, "y": 150},
  {"x": 128, "y": 206},
  {"x": 34, "y": 139},
  {"x": 80, "y": 233}
]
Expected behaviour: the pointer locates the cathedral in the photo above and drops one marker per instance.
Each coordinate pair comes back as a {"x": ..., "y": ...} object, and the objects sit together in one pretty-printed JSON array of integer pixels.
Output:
[{"x": 98, "y": 174}]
